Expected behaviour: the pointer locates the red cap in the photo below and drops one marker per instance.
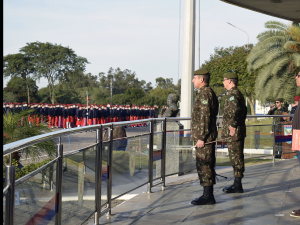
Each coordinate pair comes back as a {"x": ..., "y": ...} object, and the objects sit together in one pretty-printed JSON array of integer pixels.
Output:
[{"x": 297, "y": 98}]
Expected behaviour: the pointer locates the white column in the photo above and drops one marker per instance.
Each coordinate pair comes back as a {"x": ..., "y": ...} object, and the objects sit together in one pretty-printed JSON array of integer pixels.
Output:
[{"x": 188, "y": 61}]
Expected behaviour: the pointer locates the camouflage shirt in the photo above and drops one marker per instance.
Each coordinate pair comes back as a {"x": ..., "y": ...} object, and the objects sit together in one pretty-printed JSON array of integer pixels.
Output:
[
  {"x": 235, "y": 113},
  {"x": 204, "y": 115},
  {"x": 276, "y": 111},
  {"x": 278, "y": 120}
]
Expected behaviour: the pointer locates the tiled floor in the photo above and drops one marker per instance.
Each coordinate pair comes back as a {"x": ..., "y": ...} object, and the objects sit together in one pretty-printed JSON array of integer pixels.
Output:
[{"x": 271, "y": 193}]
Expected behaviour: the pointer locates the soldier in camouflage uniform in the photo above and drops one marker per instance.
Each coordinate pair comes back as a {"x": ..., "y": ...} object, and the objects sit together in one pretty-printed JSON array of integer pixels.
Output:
[
  {"x": 234, "y": 128},
  {"x": 278, "y": 110},
  {"x": 204, "y": 130}
]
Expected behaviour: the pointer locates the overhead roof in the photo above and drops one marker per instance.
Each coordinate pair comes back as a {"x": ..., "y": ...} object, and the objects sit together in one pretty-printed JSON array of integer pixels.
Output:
[{"x": 285, "y": 9}]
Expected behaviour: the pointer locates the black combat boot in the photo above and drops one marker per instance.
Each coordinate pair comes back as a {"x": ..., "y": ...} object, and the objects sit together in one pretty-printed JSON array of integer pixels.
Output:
[
  {"x": 236, "y": 187},
  {"x": 207, "y": 198}
]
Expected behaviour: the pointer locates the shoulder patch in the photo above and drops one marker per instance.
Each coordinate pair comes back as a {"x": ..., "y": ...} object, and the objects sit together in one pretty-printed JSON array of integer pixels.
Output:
[
  {"x": 231, "y": 98},
  {"x": 204, "y": 102}
]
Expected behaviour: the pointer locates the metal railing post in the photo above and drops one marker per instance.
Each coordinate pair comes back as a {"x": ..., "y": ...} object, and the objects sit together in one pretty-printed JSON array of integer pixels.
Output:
[
  {"x": 150, "y": 166},
  {"x": 109, "y": 163},
  {"x": 10, "y": 159},
  {"x": 59, "y": 174},
  {"x": 10, "y": 196},
  {"x": 140, "y": 150},
  {"x": 273, "y": 126},
  {"x": 98, "y": 173},
  {"x": 51, "y": 177},
  {"x": 83, "y": 159},
  {"x": 163, "y": 154}
]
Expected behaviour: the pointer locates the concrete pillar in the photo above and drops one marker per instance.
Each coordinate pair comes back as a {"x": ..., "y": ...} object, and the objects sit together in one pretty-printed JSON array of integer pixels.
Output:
[{"x": 188, "y": 61}]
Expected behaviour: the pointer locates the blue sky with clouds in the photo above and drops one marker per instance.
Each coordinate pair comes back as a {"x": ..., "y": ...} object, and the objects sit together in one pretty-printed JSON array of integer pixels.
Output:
[{"x": 140, "y": 35}]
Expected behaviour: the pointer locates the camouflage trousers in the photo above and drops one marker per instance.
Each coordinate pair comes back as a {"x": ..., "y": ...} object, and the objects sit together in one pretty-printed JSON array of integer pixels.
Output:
[
  {"x": 236, "y": 155},
  {"x": 205, "y": 163}
]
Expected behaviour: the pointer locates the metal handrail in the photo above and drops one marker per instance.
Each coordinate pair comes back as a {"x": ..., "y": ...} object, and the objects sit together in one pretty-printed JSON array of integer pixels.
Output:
[
  {"x": 18, "y": 145},
  {"x": 5, "y": 190},
  {"x": 33, "y": 173},
  {"x": 80, "y": 150}
]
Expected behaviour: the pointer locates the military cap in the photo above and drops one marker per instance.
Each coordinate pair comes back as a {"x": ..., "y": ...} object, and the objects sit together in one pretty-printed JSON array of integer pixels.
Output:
[
  {"x": 231, "y": 76},
  {"x": 279, "y": 99},
  {"x": 202, "y": 71}
]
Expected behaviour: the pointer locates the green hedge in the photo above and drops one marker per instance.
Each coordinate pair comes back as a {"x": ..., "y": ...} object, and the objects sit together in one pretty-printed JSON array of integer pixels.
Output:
[{"x": 26, "y": 169}]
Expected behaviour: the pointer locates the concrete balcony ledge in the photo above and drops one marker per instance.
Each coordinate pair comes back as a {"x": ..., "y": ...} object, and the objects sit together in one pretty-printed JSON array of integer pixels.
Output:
[{"x": 271, "y": 193}]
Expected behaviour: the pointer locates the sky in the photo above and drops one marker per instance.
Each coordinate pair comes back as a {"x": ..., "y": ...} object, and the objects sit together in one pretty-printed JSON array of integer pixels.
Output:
[{"x": 144, "y": 36}]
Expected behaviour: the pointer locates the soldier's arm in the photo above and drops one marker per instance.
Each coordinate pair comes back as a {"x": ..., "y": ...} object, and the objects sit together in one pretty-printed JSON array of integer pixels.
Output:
[
  {"x": 234, "y": 111},
  {"x": 201, "y": 118}
]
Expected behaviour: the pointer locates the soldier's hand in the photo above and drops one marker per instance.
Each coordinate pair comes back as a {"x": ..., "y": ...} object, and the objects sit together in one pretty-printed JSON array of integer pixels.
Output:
[
  {"x": 232, "y": 130},
  {"x": 200, "y": 144}
]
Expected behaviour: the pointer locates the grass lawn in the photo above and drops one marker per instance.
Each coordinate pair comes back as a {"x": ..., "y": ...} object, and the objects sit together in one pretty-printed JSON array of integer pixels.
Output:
[
  {"x": 265, "y": 134},
  {"x": 248, "y": 162}
]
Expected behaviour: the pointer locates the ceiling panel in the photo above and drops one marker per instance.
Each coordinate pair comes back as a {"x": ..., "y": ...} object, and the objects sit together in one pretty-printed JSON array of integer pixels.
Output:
[{"x": 285, "y": 9}]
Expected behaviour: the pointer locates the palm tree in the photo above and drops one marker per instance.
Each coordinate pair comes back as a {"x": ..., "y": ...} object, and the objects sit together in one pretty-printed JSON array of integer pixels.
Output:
[
  {"x": 16, "y": 127},
  {"x": 276, "y": 58}
]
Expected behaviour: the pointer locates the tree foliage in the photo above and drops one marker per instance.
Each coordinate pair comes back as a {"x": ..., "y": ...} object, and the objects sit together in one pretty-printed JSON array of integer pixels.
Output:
[
  {"x": 53, "y": 62},
  {"x": 67, "y": 82},
  {"x": 276, "y": 60},
  {"x": 16, "y": 127},
  {"x": 16, "y": 90},
  {"x": 19, "y": 65},
  {"x": 126, "y": 88},
  {"x": 232, "y": 59}
]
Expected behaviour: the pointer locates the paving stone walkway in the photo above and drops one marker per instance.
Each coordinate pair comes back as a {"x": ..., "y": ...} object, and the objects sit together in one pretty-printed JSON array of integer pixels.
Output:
[{"x": 271, "y": 193}]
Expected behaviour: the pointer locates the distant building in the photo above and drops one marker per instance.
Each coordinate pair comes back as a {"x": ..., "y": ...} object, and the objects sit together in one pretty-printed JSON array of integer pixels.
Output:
[{"x": 261, "y": 109}]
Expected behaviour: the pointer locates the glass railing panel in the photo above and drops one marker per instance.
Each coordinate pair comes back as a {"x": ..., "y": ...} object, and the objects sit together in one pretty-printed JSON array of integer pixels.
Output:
[
  {"x": 258, "y": 143},
  {"x": 78, "y": 187},
  {"x": 183, "y": 151},
  {"x": 80, "y": 140},
  {"x": 259, "y": 138},
  {"x": 179, "y": 155},
  {"x": 137, "y": 129},
  {"x": 130, "y": 159},
  {"x": 40, "y": 152},
  {"x": 35, "y": 201},
  {"x": 157, "y": 154}
]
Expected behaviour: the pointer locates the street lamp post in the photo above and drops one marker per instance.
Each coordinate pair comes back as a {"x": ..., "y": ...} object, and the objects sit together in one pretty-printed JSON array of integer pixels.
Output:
[{"x": 241, "y": 30}]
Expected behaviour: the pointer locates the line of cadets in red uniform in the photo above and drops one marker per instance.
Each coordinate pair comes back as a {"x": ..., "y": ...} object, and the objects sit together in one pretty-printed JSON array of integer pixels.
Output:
[{"x": 76, "y": 115}]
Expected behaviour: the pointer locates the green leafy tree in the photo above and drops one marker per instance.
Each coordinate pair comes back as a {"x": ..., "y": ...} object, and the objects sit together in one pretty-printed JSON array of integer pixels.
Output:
[
  {"x": 9, "y": 97},
  {"x": 124, "y": 85},
  {"x": 16, "y": 127},
  {"x": 121, "y": 80},
  {"x": 72, "y": 89},
  {"x": 232, "y": 59},
  {"x": 53, "y": 62},
  {"x": 276, "y": 60},
  {"x": 19, "y": 65},
  {"x": 43, "y": 95},
  {"x": 17, "y": 87}
]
